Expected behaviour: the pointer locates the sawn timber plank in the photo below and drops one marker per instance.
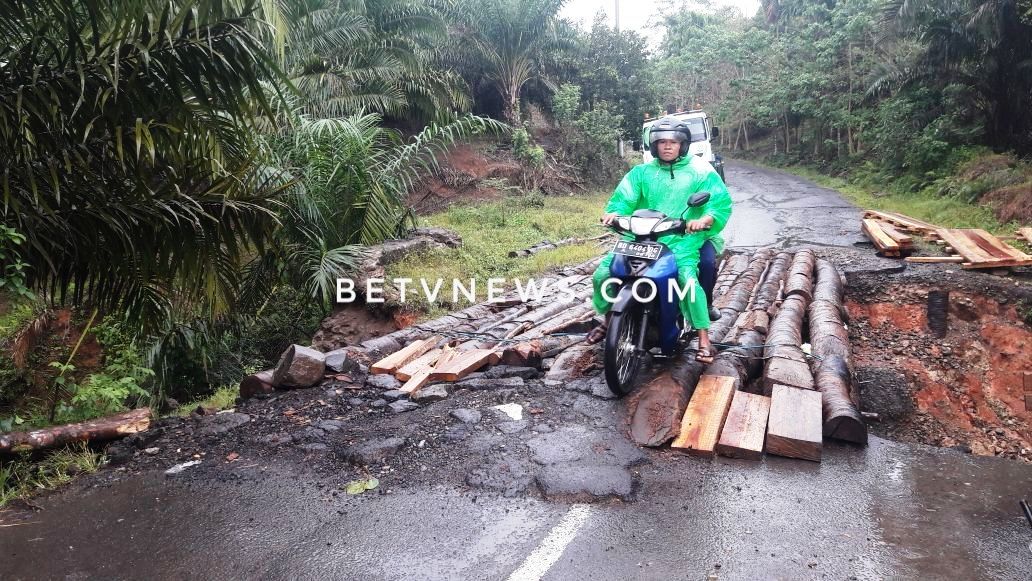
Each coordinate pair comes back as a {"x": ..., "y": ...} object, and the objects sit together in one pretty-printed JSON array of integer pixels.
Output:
[
  {"x": 794, "y": 425},
  {"x": 704, "y": 417},
  {"x": 745, "y": 426}
]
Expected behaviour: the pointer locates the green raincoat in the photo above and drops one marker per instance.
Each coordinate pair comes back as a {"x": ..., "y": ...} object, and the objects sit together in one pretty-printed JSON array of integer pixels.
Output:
[{"x": 666, "y": 188}]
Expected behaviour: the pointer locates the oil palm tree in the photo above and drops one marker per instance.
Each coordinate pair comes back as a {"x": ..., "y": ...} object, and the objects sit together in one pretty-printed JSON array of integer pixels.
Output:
[{"x": 130, "y": 164}]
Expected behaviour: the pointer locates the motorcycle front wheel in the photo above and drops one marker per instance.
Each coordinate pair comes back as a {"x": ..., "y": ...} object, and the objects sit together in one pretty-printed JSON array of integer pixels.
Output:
[{"x": 622, "y": 354}]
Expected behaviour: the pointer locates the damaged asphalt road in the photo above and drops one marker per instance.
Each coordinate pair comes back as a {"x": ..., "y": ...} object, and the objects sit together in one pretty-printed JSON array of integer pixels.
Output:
[{"x": 553, "y": 491}]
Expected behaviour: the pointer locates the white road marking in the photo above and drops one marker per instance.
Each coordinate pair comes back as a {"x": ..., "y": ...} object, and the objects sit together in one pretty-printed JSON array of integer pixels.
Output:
[{"x": 551, "y": 548}]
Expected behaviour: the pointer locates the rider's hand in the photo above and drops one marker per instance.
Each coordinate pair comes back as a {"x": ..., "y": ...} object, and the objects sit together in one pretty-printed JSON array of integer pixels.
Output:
[
  {"x": 701, "y": 224},
  {"x": 607, "y": 219}
]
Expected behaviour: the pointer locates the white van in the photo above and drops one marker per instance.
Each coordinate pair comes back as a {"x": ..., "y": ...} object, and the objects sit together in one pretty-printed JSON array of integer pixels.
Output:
[{"x": 702, "y": 134}]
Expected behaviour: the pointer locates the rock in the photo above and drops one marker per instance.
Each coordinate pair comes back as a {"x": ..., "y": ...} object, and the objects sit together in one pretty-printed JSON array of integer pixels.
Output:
[
  {"x": 383, "y": 381},
  {"x": 299, "y": 366},
  {"x": 119, "y": 452},
  {"x": 430, "y": 393},
  {"x": 378, "y": 403},
  {"x": 374, "y": 451},
  {"x": 543, "y": 429},
  {"x": 152, "y": 451},
  {"x": 505, "y": 371},
  {"x": 513, "y": 427},
  {"x": 509, "y": 411},
  {"x": 586, "y": 482},
  {"x": 402, "y": 406},
  {"x": 315, "y": 447},
  {"x": 330, "y": 425},
  {"x": 311, "y": 433},
  {"x": 546, "y": 363},
  {"x": 277, "y": 439},
  {"x": 506, "y": 395},
  {"x": 485, "y": 383},
  {"x": 466, "y": 416},
  {"x": 980, "y": 449},
  {"x": 221, "y": 423},
  {"x": 456, "y": 433},
  {"x": 340, "y": 361},
  {"x": 357, "y": 401},
  {"x": 392, "y": 395}
]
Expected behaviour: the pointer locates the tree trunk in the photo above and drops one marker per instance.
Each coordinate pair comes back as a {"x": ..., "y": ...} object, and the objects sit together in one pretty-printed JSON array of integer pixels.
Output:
[{"x": 108, "y": 428}]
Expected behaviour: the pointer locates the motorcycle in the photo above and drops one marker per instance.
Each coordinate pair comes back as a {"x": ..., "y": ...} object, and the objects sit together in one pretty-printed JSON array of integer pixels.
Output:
[{"x": 642, "y": 319}]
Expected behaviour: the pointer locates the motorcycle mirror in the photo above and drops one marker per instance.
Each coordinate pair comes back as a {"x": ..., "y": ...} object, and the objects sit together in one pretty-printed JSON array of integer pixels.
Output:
[{"x": 698, "y": 199}]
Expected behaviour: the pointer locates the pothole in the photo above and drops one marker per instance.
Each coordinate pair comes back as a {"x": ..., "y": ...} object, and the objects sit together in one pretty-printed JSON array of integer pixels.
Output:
[{"x": 971, "y": 389}]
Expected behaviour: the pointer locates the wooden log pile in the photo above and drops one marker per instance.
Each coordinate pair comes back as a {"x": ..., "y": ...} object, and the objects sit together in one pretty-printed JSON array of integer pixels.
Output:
[{"x": 764, "y": 391}]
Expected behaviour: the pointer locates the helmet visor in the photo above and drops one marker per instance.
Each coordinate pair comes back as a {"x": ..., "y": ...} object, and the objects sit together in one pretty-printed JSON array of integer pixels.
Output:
[{"x": 655, "y": 136}]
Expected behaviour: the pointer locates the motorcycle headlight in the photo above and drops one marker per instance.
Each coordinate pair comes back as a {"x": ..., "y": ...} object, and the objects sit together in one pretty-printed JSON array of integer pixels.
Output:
[
  {"x": 642, "y": 226},
  {"x": 665, "y": 226}
]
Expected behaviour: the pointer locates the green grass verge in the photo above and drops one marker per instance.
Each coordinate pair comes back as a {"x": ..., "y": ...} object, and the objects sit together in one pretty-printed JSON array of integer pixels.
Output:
[
  {"x": 490, "y": 231},
  {"x": 22, "y": 478},
  {"x": 223, "y": 399}
]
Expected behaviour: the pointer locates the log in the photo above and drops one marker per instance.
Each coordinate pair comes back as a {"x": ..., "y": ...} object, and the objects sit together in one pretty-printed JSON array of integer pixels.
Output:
[
  {"x": 800, "y": 274},
  {"x": 767, "y": 294},
  {"x": 794, "y": 425},
  {"x": 704, "y": 416},
  {"x": 745, "y": 427},
  {"x": 842, "y": 419},
  {"x": 832, "y": 367},
  {"x": 258, "y": 383},
  {"x": 742, "y": 364},
  {"x": 109, "y": 428},
  {"x": 526, "y": 354},
  {"x": 786, "y": 361}
]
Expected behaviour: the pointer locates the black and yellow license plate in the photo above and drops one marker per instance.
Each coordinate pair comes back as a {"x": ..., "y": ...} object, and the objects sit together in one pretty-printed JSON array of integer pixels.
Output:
[{"x": 646, "y": 250}]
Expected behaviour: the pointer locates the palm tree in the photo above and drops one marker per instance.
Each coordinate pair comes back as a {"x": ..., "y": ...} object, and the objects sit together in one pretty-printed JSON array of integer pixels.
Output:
[
  {"x": 127, "y": 128},
  {"x": 346, "y": 56},
  {"x": 983, "y": 44},
  {"x": 511, "y": 41}
]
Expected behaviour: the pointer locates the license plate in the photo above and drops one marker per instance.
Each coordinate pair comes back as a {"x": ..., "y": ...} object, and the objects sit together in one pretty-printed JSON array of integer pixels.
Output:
[{"x": 646, "y": 250}]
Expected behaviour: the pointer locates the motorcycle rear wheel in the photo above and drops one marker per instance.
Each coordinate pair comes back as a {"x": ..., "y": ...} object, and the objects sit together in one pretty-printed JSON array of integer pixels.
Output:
[{"x": 622, "y": 356}]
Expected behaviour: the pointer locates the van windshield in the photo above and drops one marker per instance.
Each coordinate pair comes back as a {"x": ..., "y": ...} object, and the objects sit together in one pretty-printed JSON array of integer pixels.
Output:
[{"x": 697, "y": 127}]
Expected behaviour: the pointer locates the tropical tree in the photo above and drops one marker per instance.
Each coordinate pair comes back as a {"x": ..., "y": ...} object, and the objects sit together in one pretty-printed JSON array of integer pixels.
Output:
[
  {"x": 127, "y": 129},
  {"x": 508, "y": 44}
]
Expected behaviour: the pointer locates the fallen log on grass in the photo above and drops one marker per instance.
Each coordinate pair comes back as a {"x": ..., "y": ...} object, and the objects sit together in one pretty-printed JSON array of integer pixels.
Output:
[{"x": 109, "y": 428}]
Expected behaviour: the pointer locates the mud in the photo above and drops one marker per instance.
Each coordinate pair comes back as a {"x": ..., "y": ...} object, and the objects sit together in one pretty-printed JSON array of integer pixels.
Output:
[{"x": 966, "y": 390}]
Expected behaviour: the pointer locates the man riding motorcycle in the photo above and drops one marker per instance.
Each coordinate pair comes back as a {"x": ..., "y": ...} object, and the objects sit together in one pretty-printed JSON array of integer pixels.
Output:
[{"x": 665, "y": 184}]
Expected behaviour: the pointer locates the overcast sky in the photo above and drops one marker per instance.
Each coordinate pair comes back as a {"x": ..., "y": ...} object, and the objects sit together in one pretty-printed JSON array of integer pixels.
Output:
[{"x": 639, "y": 14}]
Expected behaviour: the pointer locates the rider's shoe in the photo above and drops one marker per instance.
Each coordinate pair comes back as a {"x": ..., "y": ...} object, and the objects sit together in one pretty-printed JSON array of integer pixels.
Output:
[{"x": 714, "y": 314}]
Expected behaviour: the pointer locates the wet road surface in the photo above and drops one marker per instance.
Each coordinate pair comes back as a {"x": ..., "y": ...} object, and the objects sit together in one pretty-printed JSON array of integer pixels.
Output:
[{"x": 888, "y": 510}]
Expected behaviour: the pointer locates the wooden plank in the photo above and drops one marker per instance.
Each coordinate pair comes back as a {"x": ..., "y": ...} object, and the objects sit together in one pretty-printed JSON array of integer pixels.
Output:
[
  {"x": 964, "y": 246},
  {"x": 975, "y": 236},
  {"x": 794, "y": 426},
  {"x": 464, "y": 363},
  {"x": 902, "y": 239},
  {"x": 934, "y": 259},
  {"x": 1025, "y": 233},
  {"x": 745, "y": 427},
  {"x": 995, "y": 246},
  {"x": 422, "y": 376},
  {"x": 396, "y": 360},
  {"x": 704, "y": 417},
  {"x": 903, "y": 221},
  {"x": 878, "y": 237},
  {"x": 425, "y": 360}
]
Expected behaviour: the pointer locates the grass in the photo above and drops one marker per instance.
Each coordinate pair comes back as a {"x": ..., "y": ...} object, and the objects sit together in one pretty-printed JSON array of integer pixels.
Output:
[
  {"x": 490, "y": 231},
  {"x": 223, "y": 399},
  {"x": 22, "y": 478}
]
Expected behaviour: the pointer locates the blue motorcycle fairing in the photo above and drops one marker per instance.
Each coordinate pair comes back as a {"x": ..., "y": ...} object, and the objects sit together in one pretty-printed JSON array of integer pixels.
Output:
[{"x": 663, "y": 272}]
